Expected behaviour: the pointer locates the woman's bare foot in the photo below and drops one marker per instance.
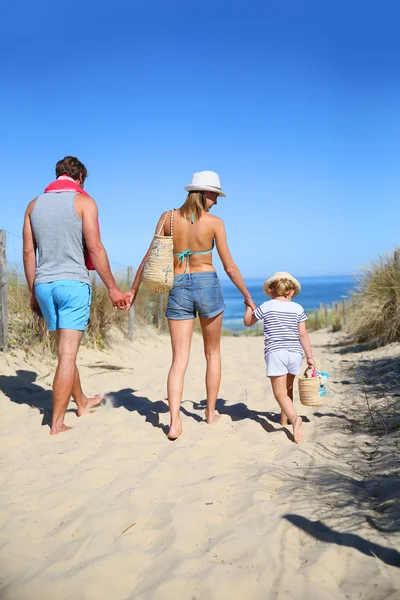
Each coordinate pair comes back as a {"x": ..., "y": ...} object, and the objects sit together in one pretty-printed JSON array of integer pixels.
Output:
[
  {"x": 88, "y": 403},
  {"x": 297, "y": 430},
  {"x": 284, "y": 420},
  {"x": 175, "y": 430},
  {"x": 56, "y": 429},
  {"x": 212, "y": 416}
]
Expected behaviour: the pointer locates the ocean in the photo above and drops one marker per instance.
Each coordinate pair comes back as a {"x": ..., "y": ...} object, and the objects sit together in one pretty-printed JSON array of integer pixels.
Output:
[{"x": 314, "y": 291}]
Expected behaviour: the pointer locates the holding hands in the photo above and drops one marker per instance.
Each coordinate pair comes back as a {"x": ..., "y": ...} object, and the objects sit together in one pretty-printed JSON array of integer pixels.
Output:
[
  {"x": 120, "y": 300},
  {"x": 250, "y": 302}
]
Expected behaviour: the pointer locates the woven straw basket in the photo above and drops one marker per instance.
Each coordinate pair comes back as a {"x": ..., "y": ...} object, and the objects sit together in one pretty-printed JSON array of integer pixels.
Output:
[
  {"x": 309, "y": 390},
  {"x": 158, "y": 272}
]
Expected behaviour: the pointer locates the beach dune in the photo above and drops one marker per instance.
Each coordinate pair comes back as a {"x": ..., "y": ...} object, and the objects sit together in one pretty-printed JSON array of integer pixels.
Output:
[{"x": 113, "y": 510}]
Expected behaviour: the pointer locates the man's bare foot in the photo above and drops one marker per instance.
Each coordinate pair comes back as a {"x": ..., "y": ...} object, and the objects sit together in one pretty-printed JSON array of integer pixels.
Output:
[
  {"x": 212, "y": 417},
  {"x": 175, "y": 430},
  {"x": 56, "y": 429},
  {"x": 89, "y": 403},
  {"x": 297, "y": 430}
]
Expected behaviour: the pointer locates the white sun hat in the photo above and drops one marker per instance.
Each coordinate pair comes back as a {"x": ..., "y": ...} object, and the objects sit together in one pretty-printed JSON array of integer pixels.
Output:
[
  {"x": 276, "y": 277},
  {"x": 205, "y": 181}
]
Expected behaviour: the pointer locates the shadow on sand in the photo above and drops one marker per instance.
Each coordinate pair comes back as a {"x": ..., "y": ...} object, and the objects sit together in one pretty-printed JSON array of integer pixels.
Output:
[
  {"x": 22, "y": 389},
  {"x": 240, "y": 412},
  {"x": 325, "y": 534}
]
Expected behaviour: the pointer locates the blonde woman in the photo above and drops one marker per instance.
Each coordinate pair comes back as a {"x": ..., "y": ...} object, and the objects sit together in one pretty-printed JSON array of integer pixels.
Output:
[{"x": 196, "y": 289}]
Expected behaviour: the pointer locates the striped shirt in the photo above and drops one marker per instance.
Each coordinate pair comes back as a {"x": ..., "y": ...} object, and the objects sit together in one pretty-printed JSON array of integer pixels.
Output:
[{"x": 281, "y": 321}]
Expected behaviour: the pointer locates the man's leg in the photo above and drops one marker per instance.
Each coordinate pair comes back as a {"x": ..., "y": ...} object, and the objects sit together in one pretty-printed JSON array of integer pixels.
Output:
[
  {"x": 83, "y": 402},
  {"x": 68, "y": 341}
]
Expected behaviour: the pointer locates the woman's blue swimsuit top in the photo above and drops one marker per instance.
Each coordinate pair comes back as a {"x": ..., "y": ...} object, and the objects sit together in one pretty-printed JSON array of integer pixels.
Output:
[{"x": 182, "y": 256}]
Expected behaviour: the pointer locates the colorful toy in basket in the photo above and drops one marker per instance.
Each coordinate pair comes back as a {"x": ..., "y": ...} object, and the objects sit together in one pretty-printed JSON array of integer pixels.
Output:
[{"x": 323, "y": 378}]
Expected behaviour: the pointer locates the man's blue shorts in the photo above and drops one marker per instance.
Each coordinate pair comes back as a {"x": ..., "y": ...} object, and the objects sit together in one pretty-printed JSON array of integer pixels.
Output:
[
  {"x": 195, "y": 293},
  {"x": 64, "y": 304}
]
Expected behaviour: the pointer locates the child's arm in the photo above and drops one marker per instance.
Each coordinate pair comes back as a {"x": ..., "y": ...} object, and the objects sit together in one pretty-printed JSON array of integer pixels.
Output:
[
  {"x": 305, "y": 342},
  {"x": 249, "y": 318}
]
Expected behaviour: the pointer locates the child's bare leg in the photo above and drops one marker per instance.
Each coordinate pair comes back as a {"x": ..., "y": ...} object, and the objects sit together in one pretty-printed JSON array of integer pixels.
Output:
[
  {"x": 289, "y": 387},
  {"x": 281, "y": 396}
]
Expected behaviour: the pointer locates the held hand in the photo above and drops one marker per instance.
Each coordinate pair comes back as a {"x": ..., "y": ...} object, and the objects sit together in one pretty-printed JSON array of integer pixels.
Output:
[
  {"x": 130, "y": 298},
  {"x": 311, "y": 363},
  {"x": 119, "y": 299},
  {"x": 249, "y": 302},
  {"x": 34, "y": 305}
]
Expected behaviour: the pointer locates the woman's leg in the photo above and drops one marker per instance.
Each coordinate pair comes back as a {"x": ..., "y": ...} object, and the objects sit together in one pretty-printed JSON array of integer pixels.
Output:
[
  {"x": 289, "y": 386},
  {"x": 211, "y": 329},
  {"x": 181, "y": 337},
  {"x": 281, "y": 396}
]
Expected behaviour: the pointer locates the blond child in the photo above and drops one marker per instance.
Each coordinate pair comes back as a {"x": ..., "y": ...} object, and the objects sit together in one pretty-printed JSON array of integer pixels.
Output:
[{"x": 285, "y": 338}]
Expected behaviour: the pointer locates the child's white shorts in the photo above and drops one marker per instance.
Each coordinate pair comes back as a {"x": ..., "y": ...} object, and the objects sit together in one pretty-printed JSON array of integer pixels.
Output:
[{"x": 282, "y": 362}]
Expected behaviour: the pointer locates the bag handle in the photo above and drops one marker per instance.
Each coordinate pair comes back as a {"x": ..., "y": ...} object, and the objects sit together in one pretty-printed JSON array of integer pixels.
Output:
[
  {"x": 306, "y": 371},
  {"x": 170, "y": 223}
]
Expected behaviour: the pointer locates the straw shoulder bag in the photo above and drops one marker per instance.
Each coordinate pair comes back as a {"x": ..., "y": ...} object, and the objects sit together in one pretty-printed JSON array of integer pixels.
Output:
[
  {"x": 309, "y": 390},
  {"x": 158, "y": 272}
]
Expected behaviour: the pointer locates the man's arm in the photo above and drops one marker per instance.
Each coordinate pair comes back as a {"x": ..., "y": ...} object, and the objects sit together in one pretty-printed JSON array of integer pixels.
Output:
[
  {"x": 97, "y": 251},
  {"x": 29, "y": 255},
  {"x": 29, "y": 247}
]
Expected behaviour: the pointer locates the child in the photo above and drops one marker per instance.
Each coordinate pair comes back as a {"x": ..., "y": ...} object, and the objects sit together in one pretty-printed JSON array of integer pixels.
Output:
[{"x": 285, "y": 338}]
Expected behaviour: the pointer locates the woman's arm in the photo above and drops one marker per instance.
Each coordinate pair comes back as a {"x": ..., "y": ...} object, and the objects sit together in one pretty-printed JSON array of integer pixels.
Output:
[
  {"x": 306, "y": 345},
  {"x": 139, "y": 273},
  {"x": 227, "y": 261}
]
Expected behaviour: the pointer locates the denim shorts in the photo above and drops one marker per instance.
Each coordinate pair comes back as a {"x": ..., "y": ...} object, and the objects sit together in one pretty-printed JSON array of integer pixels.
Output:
[
  {"x": 195, "y": 293},
  {"x": 64, "y": 304}
]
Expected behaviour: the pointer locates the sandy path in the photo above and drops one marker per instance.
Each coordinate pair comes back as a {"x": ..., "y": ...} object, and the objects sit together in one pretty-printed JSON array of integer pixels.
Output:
[{"x": 113, "y": 510}]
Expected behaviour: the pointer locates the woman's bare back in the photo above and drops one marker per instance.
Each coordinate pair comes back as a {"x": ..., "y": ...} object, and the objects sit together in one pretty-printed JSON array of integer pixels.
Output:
[{"x": 196, "y": 237}]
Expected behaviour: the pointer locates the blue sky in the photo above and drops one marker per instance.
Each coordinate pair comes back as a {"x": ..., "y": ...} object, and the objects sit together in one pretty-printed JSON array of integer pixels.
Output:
[{"x": 295, "y": 104}]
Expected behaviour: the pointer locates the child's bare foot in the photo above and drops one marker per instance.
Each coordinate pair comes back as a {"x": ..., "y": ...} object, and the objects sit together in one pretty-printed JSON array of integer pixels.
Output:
[
  {"x": 175, "y": 430},
  {"x": 211, "y": 416},
  {"x": 297, "y": 430}
]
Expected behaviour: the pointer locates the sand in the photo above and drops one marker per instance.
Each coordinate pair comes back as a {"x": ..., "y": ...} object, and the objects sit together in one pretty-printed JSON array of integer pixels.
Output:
[{"x": 113, "y": 510}]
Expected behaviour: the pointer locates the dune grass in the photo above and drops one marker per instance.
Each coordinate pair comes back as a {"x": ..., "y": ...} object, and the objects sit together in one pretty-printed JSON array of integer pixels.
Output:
[
  {"x": 28, "y": 331},
  {"x": 317, "y": 318},
  {"x": 372, "y": 311},
  {"x": 376, "y": 317}
]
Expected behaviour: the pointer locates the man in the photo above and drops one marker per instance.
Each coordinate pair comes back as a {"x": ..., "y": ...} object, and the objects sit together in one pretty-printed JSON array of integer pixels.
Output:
[{"x": 59, "y": 224}]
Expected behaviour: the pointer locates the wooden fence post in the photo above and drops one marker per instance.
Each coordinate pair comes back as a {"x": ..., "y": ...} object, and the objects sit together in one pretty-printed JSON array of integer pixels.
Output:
[
  {"x": 3, "y": 292},
  {"x": 326, "y": 316},
  {"x": 160, "y": 312},
  {"x": 131, "y": 312},
  {"x": 397, "y": 258}
]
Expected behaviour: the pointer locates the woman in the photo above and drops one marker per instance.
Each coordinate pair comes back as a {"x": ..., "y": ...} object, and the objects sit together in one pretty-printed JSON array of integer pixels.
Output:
[{"x": 196, "y": 289}]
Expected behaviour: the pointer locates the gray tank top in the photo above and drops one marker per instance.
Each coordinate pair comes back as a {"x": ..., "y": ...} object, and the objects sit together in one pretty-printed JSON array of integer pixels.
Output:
[{"x": 59, "y": 237}]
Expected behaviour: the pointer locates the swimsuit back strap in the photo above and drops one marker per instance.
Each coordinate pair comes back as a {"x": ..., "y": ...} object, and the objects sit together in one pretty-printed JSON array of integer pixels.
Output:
[{"x": 182, "y": 256}]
